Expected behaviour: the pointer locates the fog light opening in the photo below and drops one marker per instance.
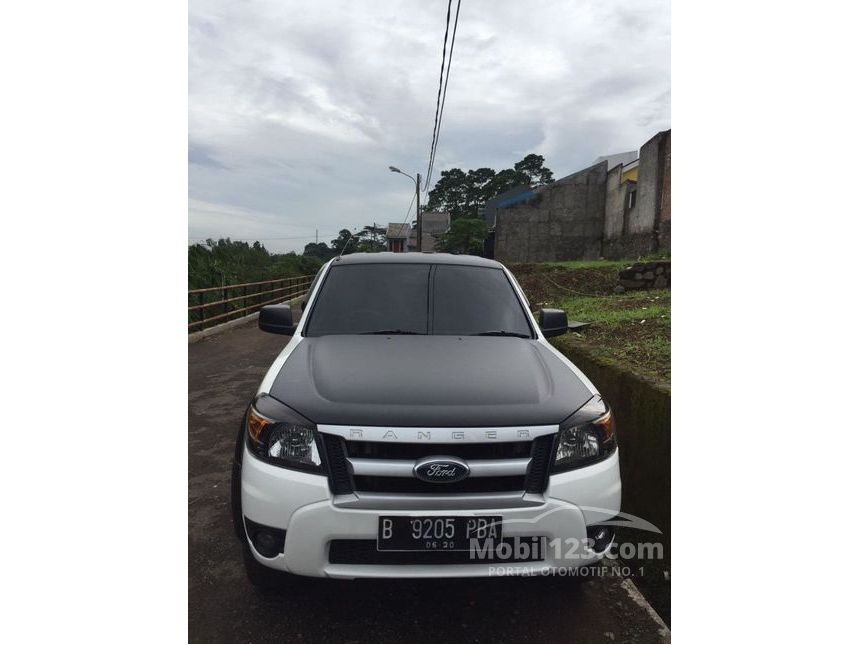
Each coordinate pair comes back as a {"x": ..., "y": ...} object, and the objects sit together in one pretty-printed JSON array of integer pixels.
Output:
[{"x": 269, "y": 542}]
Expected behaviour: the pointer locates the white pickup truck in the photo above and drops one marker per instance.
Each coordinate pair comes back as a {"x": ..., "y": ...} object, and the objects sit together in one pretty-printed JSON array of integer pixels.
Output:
[{"x": 419, "y": 424}]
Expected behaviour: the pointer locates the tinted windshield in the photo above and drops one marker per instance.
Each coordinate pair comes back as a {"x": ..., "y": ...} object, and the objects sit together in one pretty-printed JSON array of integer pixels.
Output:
[{"x": 399, "y": 298}]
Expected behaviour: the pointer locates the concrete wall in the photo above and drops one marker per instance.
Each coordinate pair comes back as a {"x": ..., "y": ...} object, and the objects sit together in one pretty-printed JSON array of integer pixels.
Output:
[
  {"x": 585, "y": 215},
  {"x": 643, "y": 216},
  {"x": 647, "y": 227},
  {"x": 628, "y": 246},
  {"x": 616, "y": 196},
  {"x": 618, "y": 241},
  {"x": 564, "y": 221},
  {"x": 664, "y": 233}
]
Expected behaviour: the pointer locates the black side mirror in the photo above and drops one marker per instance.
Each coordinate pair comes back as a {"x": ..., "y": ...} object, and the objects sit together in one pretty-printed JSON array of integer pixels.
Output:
[
  {"x": 277, "y": 319},
  {"x": 553, "y": 322}
]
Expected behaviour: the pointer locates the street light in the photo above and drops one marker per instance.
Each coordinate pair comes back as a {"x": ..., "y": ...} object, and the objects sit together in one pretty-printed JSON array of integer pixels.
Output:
[{"x": 417, "y": 180}]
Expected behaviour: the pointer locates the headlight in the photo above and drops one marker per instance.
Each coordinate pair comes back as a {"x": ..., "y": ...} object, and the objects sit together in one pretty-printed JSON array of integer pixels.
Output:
[
  {"x": 581, "y": 441},
  {"x": 287, "y": 442}
]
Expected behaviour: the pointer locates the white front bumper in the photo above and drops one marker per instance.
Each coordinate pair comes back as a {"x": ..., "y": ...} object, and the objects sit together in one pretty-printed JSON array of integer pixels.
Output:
[{"x": 302, "y": 504}]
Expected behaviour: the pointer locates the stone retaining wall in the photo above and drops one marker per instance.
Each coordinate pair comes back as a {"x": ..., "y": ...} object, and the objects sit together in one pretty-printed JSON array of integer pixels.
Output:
[{"x": 645, "y": 275}]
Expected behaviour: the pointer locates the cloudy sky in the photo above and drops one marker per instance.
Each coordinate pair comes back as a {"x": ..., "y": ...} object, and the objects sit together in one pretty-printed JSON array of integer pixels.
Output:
[{"x": 296, "y": 109}]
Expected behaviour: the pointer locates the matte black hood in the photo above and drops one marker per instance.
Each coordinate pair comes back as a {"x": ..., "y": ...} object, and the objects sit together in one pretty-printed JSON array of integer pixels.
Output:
[{"x": 426, "y": 381}]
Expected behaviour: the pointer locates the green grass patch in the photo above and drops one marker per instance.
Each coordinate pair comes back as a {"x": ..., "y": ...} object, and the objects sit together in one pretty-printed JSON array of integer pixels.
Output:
[
  {"x": 590, "y": 264},
  {"x": 617, "y": 309},
  {"x": 632, "y": 329}
]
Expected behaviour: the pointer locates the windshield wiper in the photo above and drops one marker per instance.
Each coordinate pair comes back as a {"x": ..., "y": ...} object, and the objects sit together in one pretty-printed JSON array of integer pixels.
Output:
[
  {"x": 391, "y": 332},
  {"x": 513, "y": 334}
]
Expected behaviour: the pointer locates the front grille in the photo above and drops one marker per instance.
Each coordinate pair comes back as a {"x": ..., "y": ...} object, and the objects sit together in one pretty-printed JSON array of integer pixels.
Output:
[
  {"x": 381, "y": 450},
  {"x": 342, "y": 481},
  {"x": 364, "y": 552},
  {"x": 413, "y": 485}
]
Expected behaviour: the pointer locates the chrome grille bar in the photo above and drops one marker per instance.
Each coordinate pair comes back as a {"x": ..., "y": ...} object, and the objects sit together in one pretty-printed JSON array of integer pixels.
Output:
[{"x": 404, "y": 467}]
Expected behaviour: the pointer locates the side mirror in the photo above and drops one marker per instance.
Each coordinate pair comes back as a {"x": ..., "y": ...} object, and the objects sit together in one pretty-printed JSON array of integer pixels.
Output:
[
  {"x": 553, "y": 322},
  {"x": 277, "y": 319}
]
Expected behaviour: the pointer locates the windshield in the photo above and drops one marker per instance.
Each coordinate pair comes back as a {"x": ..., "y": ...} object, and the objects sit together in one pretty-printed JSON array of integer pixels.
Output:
[{"x": 399, "y": 298}]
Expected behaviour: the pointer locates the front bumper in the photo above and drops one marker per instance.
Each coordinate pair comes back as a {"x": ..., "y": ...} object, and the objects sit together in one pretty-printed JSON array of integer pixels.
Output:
[{"x": 302, "y": 504}]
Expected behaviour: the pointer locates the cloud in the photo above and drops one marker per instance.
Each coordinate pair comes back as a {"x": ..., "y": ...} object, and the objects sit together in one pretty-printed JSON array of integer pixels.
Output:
[{"x": 297, "y": 109}]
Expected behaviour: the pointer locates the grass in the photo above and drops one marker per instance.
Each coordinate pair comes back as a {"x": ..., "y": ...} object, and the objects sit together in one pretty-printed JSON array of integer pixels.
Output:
[
  {"x": 605, "y": 264},
  {"x": 631, "y": 329},
  {"x": 589, "y": 264}
]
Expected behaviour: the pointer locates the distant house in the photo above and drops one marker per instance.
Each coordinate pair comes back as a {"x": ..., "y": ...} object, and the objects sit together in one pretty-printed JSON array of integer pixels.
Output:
[
  {"x": 397, "y": 235},
  {"x": 433, "y": 224}
]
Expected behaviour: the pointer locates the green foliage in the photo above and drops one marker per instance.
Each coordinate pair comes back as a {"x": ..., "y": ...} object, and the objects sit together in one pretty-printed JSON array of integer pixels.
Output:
[
  {"x": 449, "y": 193},
  {"x": 319, "y": 250},
  {"x": 465, "y": 236},
  {"x": 341, "y": 245},
  {"x": 463, "y": 193},
  {"x": 532, "y": 166},
  {"x": 370, "y": 239},
  {"x": 227, "y": 262}
]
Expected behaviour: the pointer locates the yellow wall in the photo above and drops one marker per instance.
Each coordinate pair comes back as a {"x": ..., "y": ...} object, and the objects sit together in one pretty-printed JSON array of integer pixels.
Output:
[{"x": 632, "y": 174}]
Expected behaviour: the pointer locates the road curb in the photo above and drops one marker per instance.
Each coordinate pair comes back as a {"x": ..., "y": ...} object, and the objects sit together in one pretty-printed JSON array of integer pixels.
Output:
[{"x": 637, "y": 597}]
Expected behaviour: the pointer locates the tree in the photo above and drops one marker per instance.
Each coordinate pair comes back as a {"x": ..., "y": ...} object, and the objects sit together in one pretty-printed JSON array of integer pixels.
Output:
[
  {"x": 462, "y": 194},
  {"x": 318, "y": 250},
  {"x": 343, "y": 243},
  {"x": 450, "y": 193},
  {"x": 505, "y": 180},
  {"x": 227, "y": 262},
  {"x": 532, "y": 166},
  {"x": 465, "y": 236},
  {"x": 371, "y": 239},
  {"x": 478, "y": 183}
]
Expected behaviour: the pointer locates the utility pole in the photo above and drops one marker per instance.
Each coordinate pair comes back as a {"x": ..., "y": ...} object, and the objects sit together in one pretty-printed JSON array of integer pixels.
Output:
[
  {"x": 317, "y": 236},
  {"x": 418, "y": 207},
  {"x": 417, "y": 180}
]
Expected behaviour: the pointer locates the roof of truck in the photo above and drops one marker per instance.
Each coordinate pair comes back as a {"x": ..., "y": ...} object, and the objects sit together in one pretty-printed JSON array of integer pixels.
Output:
[{"x": 415, "y": 258}]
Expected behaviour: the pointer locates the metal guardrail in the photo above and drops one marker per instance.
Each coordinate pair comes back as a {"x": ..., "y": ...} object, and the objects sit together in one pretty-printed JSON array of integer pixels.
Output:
[{"x": 231, "y": 306}]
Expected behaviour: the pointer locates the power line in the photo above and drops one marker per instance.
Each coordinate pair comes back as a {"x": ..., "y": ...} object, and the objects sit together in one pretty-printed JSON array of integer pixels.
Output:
[
  {"x": 439, "y": 92},
  {"x": 408, "y": 210},
  {"x": 444, "y": 94}
]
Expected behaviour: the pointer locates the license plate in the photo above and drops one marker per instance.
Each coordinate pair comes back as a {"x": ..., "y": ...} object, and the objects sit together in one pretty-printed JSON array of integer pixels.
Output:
[{"x": 435, "y": 533}]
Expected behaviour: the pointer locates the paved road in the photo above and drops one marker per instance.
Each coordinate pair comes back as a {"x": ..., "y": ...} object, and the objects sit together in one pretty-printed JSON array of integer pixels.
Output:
[{"x": 224, "y": 371}]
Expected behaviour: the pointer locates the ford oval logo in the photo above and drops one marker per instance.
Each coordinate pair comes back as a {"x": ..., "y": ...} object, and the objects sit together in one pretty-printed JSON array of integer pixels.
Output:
[{"x": 441, "y": 470}]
